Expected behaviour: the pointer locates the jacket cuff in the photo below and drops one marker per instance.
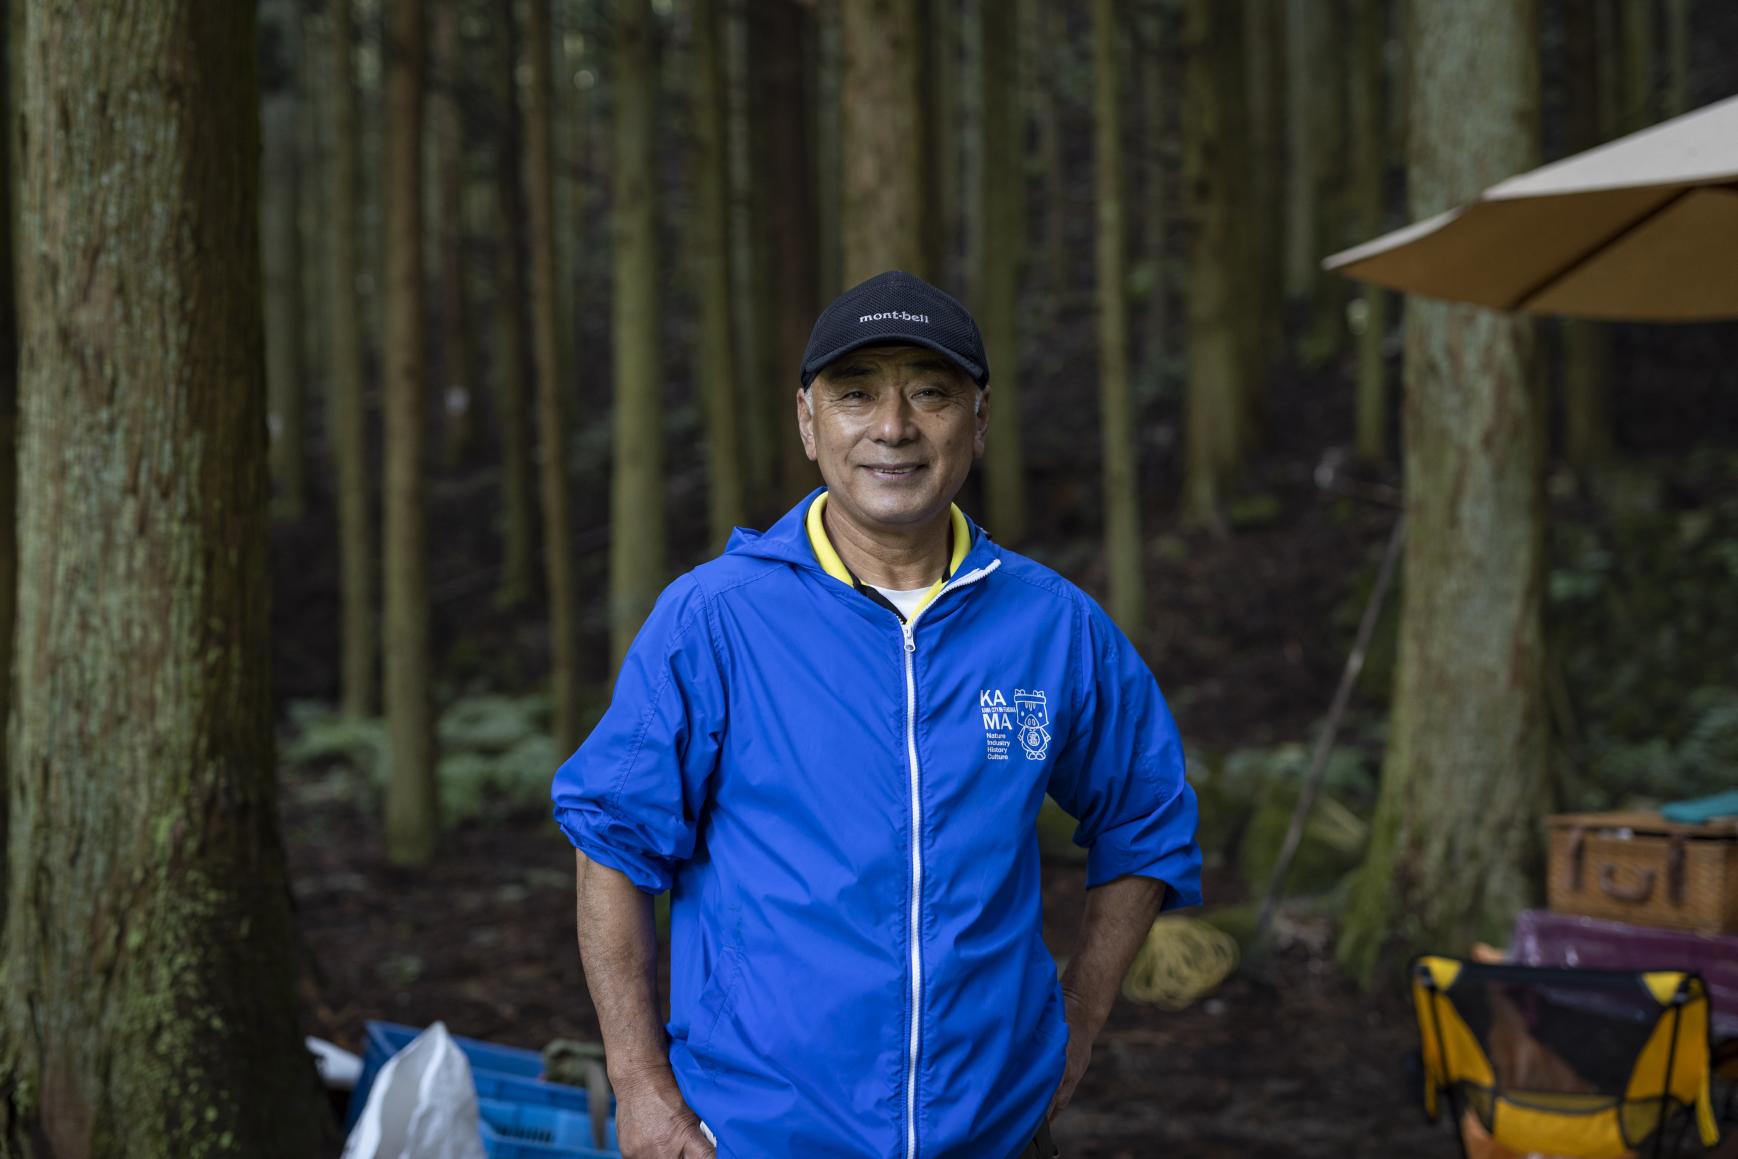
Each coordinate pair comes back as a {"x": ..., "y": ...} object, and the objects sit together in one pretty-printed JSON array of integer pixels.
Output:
[{"x": 609, "y": 841}]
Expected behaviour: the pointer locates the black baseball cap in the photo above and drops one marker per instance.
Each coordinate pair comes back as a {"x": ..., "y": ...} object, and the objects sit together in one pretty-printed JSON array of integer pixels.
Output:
[{"x": 896, "y": 309}]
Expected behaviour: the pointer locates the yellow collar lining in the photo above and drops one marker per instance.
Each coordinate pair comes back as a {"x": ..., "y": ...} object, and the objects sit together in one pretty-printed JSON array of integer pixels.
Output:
[{"x": 835, "y": 567}]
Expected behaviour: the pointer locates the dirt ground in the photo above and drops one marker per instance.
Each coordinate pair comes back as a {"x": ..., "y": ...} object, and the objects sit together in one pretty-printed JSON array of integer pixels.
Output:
[{"x": 1299, "y": 1067}]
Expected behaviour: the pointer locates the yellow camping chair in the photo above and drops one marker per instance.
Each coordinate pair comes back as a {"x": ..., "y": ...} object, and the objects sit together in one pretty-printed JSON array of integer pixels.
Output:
[{"x": 1586, "y": 1063}]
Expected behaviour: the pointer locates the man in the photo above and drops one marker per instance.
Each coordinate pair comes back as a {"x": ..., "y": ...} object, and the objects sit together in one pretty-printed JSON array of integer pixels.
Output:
[{"x": 830, "y": 744}]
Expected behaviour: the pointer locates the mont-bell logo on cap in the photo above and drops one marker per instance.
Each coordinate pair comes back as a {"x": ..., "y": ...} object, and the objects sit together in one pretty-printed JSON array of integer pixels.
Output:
[{"x": 894, "y": 316}]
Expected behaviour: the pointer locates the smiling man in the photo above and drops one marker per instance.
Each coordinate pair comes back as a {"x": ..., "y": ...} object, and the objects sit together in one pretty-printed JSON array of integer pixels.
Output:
[{"x": 830, "y": 745}]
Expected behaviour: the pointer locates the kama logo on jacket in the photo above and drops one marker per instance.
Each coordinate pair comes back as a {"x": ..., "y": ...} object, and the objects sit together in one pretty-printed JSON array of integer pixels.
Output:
[{"x": 1028, "y": 717}]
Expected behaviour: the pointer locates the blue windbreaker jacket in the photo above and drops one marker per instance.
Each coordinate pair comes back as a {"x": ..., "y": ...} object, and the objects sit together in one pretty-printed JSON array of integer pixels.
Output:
[{"x": 843, "y": 807}]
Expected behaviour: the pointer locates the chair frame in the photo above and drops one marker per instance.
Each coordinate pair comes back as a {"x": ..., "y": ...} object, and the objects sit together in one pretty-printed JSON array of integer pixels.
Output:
[{"x": 1457, "y": 1107}]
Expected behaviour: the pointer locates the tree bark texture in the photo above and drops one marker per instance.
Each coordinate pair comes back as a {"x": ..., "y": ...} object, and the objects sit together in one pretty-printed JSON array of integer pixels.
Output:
[
  {"x": 147, "y": 1005},
  {"x": 715, "y": 354},
  {"x": 513, "y": 367},
  {"x": 793, "y": 299},
  {"x": 1117, "y": 416},
  {"x": 11, "y": 20},
  {"x": 551, "y": 386},
  {"x": 347, "y": 412},
  {"x": 1000, "y": 256},
  {"x": 883, "y": 142},
  {"x": 280, "y": 213},
  {"x": 412, "y": 805},
  {"x": 1369, "y": 136},
  {"x": 637, "y": 495},
  {"x": 1453, "y": 846},
  {"x": 1220, "y": 329}
]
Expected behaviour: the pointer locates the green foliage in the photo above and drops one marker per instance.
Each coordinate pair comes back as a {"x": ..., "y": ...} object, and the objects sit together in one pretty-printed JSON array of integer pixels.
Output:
[
  {"x": 1246, "y": 804},
  {"x": 496, "y": 755},
  {"x": 1641, "y": 622}
]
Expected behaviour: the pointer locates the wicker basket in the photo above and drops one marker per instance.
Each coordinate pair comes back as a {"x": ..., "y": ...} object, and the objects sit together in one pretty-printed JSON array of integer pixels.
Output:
[{"x": 1645, "y": 870}]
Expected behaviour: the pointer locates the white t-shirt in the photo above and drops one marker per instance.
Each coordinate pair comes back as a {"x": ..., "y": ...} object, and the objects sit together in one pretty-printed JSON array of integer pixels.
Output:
[{"x": 906, "y": 601}]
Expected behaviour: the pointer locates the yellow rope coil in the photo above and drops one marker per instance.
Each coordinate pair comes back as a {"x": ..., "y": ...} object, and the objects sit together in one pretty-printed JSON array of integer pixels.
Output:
[{"x": 1182, "y": 961}]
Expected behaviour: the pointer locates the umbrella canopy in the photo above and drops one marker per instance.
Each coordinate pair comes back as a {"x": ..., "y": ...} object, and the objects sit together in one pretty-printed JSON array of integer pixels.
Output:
[{"x": 1644, "y": 228}]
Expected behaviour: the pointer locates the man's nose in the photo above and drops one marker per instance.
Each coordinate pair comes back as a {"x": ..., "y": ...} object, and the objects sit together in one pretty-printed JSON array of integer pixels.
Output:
[{"x": 893, "y": 419}]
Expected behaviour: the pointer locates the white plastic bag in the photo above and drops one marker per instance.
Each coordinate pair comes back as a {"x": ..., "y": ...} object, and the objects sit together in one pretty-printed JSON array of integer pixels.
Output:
[{"x": 423, "y": 1105}]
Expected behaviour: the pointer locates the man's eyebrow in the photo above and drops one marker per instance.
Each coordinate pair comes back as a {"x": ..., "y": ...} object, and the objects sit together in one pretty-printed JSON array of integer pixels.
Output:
[
  {"x": 849, "y": 370},
  {"x": 931, "y": 364}
]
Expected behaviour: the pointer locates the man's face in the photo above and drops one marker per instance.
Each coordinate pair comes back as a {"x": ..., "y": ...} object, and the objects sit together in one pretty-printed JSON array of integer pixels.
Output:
[{"x": 894, "y": 430}]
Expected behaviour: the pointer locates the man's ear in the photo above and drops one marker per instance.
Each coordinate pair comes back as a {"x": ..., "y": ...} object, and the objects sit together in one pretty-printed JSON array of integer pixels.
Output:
[
  {"x": 981, "y": 417},
  {"x": 806, "y": 422}
]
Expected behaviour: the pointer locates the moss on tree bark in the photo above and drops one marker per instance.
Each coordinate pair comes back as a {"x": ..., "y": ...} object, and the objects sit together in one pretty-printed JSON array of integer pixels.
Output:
[
  {"x": 1453, "y": 848},
  {"x": 146, "y": 987}
]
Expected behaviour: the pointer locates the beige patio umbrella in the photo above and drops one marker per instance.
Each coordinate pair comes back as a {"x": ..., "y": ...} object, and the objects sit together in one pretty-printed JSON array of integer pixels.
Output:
[{"x": 1644, "y": 228}]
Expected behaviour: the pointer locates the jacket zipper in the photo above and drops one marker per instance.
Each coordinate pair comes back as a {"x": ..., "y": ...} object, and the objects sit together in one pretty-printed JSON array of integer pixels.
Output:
[{"x": 909, "y": 643}]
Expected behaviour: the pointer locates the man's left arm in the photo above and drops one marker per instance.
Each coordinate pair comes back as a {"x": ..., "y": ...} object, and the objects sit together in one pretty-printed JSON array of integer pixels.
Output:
[
  {"x": 1118, "y": 916},
  {"x": 1121, "y": 776}
]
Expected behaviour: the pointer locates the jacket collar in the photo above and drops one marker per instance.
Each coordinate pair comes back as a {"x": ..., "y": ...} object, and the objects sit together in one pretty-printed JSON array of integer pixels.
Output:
[{"x": 788, "y": 540}]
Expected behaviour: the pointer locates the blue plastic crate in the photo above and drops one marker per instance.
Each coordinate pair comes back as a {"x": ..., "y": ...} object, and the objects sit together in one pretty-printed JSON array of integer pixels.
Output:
[
  {"x": 525, "y": 1131},
  {"x": 502, "y": 1073}
]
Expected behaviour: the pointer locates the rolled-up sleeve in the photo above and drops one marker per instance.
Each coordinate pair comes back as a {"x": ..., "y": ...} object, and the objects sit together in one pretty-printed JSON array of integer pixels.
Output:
[
  {"x": 1121, "y": 773},
  {"x": 631, "y": 796}
]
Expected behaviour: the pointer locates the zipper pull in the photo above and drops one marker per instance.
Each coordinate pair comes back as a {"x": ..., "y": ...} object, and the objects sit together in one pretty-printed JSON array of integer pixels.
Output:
[{"x": 910, "y": 641}]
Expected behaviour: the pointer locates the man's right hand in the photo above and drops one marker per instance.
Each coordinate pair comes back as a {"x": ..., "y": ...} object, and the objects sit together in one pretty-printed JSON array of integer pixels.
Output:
[{"x": 652, "y": 1121}]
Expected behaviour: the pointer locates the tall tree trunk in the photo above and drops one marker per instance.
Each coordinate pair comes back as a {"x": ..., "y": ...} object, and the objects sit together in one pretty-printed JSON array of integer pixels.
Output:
[
  {"x": 829, "y": 55},
  {"x": 347, "y": 412},
  {"x": 1586, "y": 345},
  {"x": 513, "y": 367},
  {"x": 1452, "y": 849},
  {"x": 412, "y": 804},
  {"x": 1051, "y": 20},
  {"x": 1314, "y": 76},
  {"x": 551, "y": 385},
  {"x": 149, "y": 948},
  {"x": 447, "y": 131},
  {"x": 883, "y": 140},
  {"x": 1000, "y": 255},
  {"x": 11, "y": 25},
  {"x": 939, "y": 103},
  {"x": 744, "y": 135},
  {"x": 794, "y": 296},
  {"x": 1302, "y": 152},
  {"x": 1640, "y": 48},
  {"x": 1369, "y": 131},
  {"x": 1264, "y": 43},
  {"x": 637, "y": 495},
  {"x": 280, "y": 45},
  {"x": 1153, "y": 212},
  {"x": 715, "y": 353},
  {"x": 1219, "y": 341},
  {"x": 1117, "y": 419}
]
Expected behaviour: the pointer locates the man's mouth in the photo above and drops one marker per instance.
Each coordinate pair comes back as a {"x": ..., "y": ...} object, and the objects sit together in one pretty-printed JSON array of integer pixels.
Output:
[{"x": 893, "y": 470}]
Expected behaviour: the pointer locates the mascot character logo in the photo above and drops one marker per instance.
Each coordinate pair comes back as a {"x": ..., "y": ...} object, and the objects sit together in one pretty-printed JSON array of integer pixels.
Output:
[{"x": 1033, "y": 716}]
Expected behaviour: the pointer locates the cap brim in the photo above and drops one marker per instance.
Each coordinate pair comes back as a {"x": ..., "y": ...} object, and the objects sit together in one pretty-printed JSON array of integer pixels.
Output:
[{"x": 820, "y": 362}]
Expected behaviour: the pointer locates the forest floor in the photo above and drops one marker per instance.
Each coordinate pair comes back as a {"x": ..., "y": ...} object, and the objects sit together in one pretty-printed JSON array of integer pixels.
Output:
[{"x": 1286, "y": 1061}]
